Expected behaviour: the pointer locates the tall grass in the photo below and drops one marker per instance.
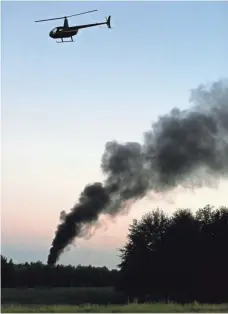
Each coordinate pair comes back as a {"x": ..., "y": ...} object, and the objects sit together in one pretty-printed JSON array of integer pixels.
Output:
[
  {"x": 128, "y": 308},
  {"x": 89, "y": 300},
  {"x": 68, "y": 296}
]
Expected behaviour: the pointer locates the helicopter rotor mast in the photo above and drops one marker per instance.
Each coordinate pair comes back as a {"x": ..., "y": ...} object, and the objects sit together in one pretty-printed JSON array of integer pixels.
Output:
[{"x": 65, "y": 17}]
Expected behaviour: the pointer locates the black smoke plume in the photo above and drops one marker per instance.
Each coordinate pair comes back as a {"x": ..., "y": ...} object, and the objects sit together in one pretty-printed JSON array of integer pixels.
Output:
[{"x": 175, "y": 150}]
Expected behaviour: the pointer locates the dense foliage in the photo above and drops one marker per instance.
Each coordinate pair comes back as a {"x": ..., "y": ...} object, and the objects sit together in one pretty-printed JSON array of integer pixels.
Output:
[
  {"x": 41, "y": 275},
  {"x": 180, "y": 258}
]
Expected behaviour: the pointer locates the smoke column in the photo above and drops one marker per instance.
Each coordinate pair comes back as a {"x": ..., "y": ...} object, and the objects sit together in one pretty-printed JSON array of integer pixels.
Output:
[{"x": 175, "y": 150}]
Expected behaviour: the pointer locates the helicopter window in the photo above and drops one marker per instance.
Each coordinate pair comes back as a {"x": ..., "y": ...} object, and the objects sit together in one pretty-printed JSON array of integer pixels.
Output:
[{"x": 55, "y": 30}]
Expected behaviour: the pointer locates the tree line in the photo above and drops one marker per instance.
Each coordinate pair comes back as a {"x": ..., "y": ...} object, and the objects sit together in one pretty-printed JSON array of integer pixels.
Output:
[
  {"x": 182, "y": 258},
  {"x": 32, "y": 275}
]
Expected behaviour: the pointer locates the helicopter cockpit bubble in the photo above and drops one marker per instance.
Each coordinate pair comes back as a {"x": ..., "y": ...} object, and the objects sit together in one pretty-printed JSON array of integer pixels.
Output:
[{"x": 52, "y": 32}]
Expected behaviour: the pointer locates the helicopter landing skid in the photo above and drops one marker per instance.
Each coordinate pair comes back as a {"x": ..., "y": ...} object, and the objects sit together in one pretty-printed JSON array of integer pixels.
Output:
[{"x": 65, "y": 41}]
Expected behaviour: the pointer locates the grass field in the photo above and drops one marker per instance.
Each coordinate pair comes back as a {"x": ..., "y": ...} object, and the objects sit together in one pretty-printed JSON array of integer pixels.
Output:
[
  {"x": 63, "y": 296},
  {"x": 89, "y": 300},
  {"x": 128, "y": 308}
]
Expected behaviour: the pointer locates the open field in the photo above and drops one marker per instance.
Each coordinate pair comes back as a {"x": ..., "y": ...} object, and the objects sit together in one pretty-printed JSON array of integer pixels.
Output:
[
  {"x": 88, "y": 300},
  {"x": 128, "y": 308},
  {"x": 63, "y": 296}
]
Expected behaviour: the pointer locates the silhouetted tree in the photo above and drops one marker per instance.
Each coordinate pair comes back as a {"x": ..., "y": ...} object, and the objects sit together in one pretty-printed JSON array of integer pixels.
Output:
[
  {"x": 7, "y": 272},
  {"x": 141, "y": 251},
  {"x": 181, "y": 258}
]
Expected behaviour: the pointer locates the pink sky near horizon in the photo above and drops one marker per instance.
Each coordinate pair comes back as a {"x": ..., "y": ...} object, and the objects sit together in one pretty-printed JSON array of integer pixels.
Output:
[{"x": 37, "y": 217}]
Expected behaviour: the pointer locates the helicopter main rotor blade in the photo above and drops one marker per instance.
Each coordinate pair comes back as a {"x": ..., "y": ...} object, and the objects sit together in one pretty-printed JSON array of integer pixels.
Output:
[
  {"x": 63, "y": 17},
  {"x": 82, "y": 13}
]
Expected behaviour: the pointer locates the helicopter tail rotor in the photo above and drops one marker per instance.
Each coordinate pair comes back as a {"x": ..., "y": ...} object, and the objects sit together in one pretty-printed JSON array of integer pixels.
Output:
[{"x": 108, "y": 20}]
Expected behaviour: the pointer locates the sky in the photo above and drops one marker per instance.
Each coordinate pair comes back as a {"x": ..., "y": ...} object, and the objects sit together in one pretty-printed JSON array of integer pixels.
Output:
[{"x": 62, "y": 102}]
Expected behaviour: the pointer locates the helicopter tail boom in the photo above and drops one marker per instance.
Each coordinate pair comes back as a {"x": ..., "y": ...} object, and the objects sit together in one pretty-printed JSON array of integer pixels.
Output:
[{"x": 77, "y": 27}]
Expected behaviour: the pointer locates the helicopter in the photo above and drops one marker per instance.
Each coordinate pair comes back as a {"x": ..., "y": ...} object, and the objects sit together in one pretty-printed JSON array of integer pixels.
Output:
[{"x": 67, "y": 31}]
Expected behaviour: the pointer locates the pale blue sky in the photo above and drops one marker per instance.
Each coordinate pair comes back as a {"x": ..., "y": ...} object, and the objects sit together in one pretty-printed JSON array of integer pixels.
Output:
[{"x": 62, "y": 102}]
